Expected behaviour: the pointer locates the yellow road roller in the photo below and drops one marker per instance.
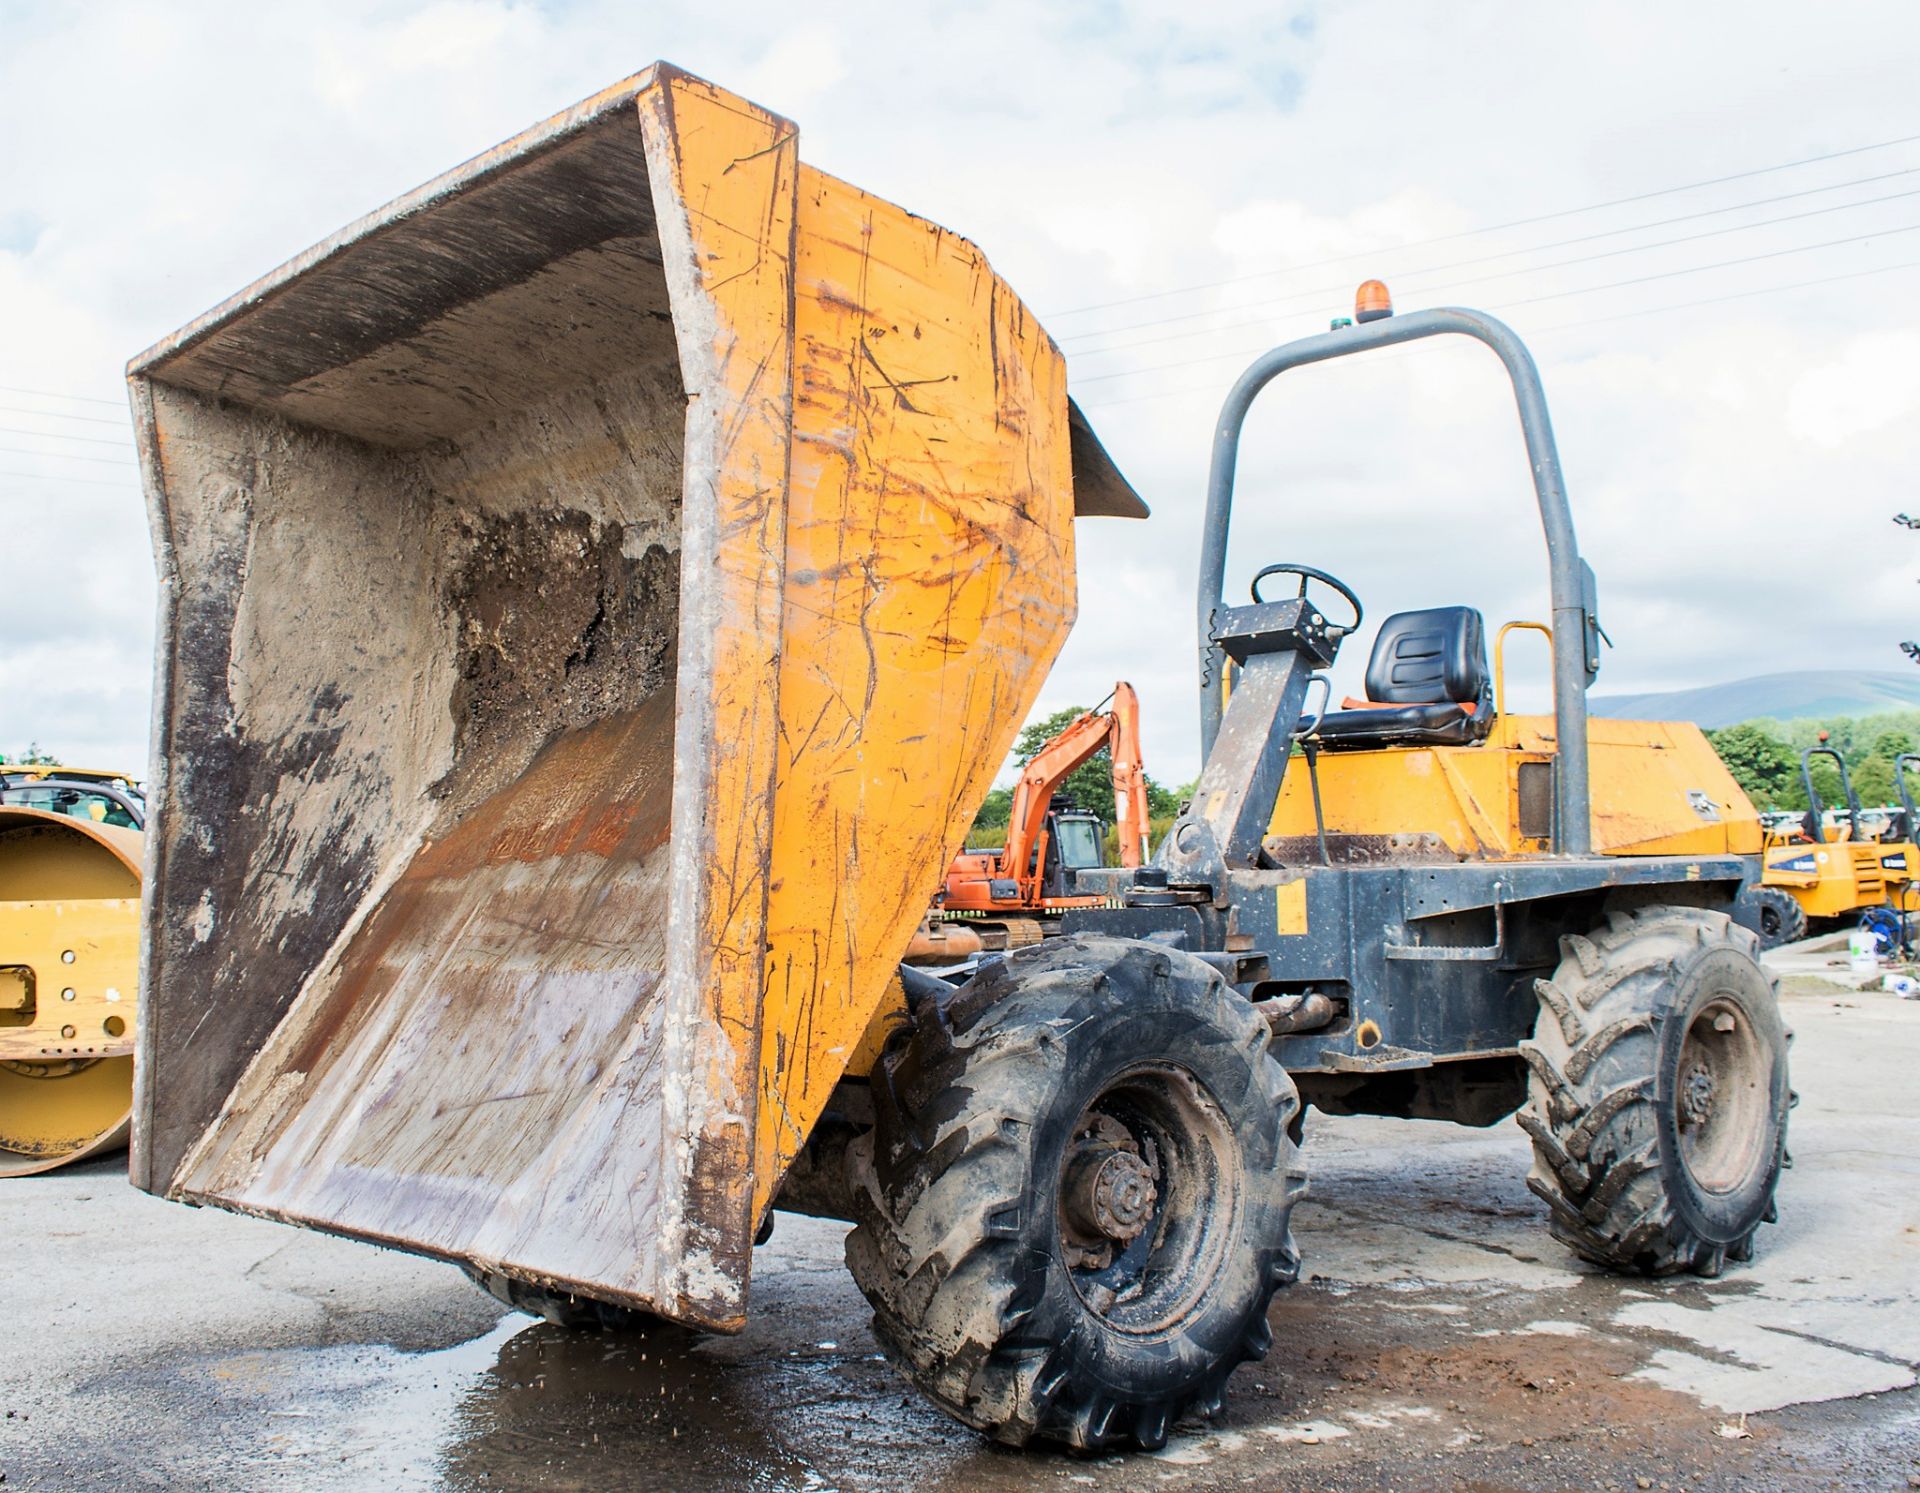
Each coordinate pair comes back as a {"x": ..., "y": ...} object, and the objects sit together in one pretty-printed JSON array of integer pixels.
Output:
[{"x": 70, "y": 848}]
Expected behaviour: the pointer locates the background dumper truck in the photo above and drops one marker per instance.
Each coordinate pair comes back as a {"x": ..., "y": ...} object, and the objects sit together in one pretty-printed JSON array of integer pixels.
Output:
[{"x": 597, "y": 592}]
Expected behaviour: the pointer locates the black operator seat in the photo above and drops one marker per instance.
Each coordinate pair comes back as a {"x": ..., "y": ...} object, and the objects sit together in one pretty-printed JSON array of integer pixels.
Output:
[{"x": 1427, "y": 685}]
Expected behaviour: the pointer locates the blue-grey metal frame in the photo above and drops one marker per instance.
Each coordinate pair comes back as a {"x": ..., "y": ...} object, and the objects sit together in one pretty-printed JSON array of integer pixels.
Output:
[{"x": 1572, "y": 583}]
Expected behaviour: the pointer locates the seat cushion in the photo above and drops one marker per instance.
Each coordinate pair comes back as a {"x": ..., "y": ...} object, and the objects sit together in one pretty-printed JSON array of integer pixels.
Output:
[
  {"x": 1427, "y": 683},
  {"x": 1442, "y": 724}
]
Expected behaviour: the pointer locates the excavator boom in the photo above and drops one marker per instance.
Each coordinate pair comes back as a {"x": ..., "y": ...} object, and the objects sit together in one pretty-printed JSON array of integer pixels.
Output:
[{"x": 1022, "y": 861}]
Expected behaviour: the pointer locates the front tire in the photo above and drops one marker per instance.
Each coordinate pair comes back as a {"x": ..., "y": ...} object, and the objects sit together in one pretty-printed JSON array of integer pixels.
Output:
[
  {"x": 1073, "y": 1208},
  {"x": 1658, "y": 1093},
  {"x": 1782, "y": 920}
]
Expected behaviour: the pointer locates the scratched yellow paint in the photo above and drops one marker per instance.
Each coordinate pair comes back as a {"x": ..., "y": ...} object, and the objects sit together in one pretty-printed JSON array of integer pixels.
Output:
[
  {"x": 1290, "y": 908},
  {"x": 1642, "y": 775},
  {"x": 724, "y": 175},
  {"x": 929, "y": 583},
  {"x": 894, "y": 488},
  {"x": 870, "y": 529}
]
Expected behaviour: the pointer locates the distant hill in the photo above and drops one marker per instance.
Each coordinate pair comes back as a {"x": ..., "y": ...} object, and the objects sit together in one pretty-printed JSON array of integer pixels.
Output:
[{"x": 1822, "y": 693}]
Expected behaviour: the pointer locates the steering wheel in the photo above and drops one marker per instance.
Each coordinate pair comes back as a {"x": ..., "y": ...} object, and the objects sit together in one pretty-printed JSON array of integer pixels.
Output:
[{"x": 1308, "y": 573}]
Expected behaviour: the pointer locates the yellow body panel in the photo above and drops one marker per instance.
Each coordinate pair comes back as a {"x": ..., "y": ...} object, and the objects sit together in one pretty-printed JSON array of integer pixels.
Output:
[
  {"x": 90, "y": 948},
  {"x": 69, "y": 969},
  {"x": 38, "y": 770},
  {"x": 1842, "y": 876},
  {"x": 1658, "y": 788},
  {"x": 929, "y": 563}
]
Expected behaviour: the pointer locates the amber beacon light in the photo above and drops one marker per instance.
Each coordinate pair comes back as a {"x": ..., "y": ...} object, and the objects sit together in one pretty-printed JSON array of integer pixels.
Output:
[{"x": 1371, "y": 301}]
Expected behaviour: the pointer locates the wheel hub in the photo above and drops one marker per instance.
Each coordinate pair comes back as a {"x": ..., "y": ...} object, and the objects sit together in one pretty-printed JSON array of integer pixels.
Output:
[
  {"x": 1109, "y": 1191},
  {"x": 1722, "y": 1096},
  {"x": 1696, "y": 1095},
  {"x": 1113, "y": 1195}
]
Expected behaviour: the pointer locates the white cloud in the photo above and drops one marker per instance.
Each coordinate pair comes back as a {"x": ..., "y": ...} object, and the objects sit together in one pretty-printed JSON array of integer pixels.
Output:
[
  {"x": 1873, "y": 383},
  {"x": 1732, "y": 464}
]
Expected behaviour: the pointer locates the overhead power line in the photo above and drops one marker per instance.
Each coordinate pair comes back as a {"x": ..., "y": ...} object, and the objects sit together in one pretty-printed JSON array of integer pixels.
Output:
[
  {"x": 78, "y": 481},
  {"x": 1736, "y": 295},
  {"x": 14, "y": 409},
  {"x": 122, "y": 444},
  {"x": 118, "y": 404},
  {"x": 1444, "y": 238},
  {"x": 1556, "y": 295},
  {"x": 1402, "y": 275},
  {"x": 1217, "y": 386}
]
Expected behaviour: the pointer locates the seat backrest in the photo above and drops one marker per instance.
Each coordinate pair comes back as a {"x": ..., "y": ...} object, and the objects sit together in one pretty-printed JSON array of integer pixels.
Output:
[{"x": 1426, "y": 657}]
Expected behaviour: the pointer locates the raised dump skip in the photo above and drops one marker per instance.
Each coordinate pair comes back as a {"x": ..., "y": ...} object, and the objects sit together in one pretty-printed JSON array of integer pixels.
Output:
[{"x": 598, "y": 589}]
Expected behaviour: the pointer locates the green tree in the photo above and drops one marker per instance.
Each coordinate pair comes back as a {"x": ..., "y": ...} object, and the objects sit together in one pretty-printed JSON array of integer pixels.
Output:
[
  {"x": 1873, "y": 781},
  {"x": 1089, "y": 786},
  {"x": 1164, "y": 803},
  {"x": 1760, "y": 762},
  {"x": 995, "y": 810},
  {"x": 1891, "y": 744}
]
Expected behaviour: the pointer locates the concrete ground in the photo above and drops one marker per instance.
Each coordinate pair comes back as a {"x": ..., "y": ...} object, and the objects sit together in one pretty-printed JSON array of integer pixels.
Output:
[{"x": 1439, "y": 1339}]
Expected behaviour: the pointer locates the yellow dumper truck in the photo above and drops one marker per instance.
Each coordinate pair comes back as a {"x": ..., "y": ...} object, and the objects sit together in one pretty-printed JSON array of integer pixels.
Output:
[{"x": 598, "y": 590}]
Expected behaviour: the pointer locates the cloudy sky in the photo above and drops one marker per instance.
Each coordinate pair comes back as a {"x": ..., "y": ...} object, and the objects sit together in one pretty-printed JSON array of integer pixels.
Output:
[{"x": 1705, "y": 218}]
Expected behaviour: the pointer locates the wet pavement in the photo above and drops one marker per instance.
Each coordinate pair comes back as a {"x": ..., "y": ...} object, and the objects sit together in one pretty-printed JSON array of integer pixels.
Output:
[{"x": 1438, "y": 1339}]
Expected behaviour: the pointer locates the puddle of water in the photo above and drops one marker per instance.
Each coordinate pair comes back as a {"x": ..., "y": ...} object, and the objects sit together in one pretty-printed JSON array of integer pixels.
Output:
[
  {"x": 654, "y": 1408},
  {"x": 372, "y": 1415}
]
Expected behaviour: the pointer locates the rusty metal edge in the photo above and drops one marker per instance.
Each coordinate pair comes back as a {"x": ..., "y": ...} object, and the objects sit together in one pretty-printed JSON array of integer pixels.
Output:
[
  {"x": 146, "y": 437},
  {"x": 591, "y": 1291},
  {"x": 549, "y": 133}
]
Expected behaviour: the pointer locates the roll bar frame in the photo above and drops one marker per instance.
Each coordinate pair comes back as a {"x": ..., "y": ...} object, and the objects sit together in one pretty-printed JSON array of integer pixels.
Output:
[
  {"x": 1816, "y": 809},
  {"x": 1574, "y": 668},
  {"x": 1905, "y": 792}
]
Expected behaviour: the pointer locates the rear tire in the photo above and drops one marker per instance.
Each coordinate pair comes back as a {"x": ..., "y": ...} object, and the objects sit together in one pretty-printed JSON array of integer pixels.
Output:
[
  {"x": 1658, "y": 1092},
  {"x": 1073, "y": 1208},
  {"x": 1782, "y": 919}
]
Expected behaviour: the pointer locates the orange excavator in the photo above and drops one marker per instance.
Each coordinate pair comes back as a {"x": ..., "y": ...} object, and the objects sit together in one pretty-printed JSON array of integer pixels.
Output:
[{"x": 1004, "y": 898}]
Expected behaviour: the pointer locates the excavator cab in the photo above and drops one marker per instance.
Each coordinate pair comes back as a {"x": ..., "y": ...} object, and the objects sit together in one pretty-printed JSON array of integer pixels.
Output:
[{"x": 1076, "y": 841}]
